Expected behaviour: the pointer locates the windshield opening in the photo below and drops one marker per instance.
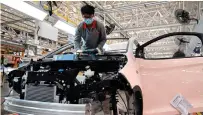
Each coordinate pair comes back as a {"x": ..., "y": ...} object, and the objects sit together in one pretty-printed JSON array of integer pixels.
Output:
[
  {"x": 123, "y": 47},
  {"x": 179, "y": 46}
]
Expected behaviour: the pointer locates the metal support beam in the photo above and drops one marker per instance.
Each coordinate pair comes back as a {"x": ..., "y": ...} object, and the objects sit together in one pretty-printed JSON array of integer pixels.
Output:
[
  {"x": 5, "y": 36},
  {"x": 7, "y": 32},
  {"x": 11, "y": 19},
  {"x": 117, "y": 38},
  {"x": 150, "y": 28},
  {"x": 26, "y": 29},
  {"x": 36, "y": 31},
  {"x": 133, "y": 6},
  {"x": 15, "y": 21},
  {"x": 110, "y": 17},
  {"x": 10, "y": 13}
]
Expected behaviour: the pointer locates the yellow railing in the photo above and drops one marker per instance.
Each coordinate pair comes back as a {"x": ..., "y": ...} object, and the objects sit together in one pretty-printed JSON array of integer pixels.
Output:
[
  {"x": 65, "y": 18},
  {"x": 74, "y": 22}
]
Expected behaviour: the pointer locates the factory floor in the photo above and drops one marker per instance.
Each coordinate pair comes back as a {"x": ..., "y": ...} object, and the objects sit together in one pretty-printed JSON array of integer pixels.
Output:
[{"x": 4, "y": 92}]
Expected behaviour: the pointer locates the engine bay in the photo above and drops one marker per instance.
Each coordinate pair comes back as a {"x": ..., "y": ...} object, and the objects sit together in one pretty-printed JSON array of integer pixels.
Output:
[
  {"x": 80, "y": 81},
  {"x": 84, "y": 79}
]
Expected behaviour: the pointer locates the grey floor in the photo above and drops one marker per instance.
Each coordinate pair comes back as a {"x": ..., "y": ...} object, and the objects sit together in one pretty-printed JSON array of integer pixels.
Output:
[{"x": 4, "y": 92}]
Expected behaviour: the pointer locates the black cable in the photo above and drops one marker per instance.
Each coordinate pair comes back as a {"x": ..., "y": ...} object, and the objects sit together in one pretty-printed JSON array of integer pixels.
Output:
[
  {"x": 123, "y": 102},
  {"x": 3, "y": 102},
  {"x": 6, "y": 96}
]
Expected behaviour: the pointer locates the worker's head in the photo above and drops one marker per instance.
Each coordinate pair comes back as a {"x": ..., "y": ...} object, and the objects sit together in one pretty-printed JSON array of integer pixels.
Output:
[{"x": 87, "y": 12}]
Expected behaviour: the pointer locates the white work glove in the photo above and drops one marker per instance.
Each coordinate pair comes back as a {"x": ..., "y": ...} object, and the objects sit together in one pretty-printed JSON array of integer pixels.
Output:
[
  {"x": 79, "y": 51},
  {"x": 99, "y": 51}
]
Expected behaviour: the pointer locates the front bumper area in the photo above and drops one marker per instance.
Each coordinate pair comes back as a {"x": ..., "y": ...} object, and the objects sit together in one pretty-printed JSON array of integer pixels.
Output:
[{"x": 25, "y": 107}]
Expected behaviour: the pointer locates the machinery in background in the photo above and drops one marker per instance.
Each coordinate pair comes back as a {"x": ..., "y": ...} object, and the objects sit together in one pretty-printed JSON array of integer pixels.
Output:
[
  {"x": 50, "y": 6},
  {"x": 110, "y": 28},
  {"x": 183, "y": 17}
]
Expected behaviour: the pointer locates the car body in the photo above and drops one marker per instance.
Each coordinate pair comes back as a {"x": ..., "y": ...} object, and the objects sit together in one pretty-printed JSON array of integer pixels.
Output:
[
  {"x": 160, "y": 80},
  {"x": 150, "y": 84}
]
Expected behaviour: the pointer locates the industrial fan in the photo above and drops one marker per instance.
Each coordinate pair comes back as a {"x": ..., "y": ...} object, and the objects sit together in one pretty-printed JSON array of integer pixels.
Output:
[
  {"x": 50, "y": 6},
  {"x": 183, "y": 17},
  {"x": 181, "y": 41},
  {"x": 110, "y": 28}
]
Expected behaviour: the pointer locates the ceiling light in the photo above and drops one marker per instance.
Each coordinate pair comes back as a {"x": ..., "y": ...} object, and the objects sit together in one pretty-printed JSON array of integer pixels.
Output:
[
  {"x": 26, "y": 8},
  {"x": 65, "y": 27}
]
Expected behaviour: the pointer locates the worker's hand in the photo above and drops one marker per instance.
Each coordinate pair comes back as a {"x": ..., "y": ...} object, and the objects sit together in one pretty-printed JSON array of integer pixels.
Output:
[
  {"x": 79, "y": 51},
  {"x": 90, "y": 51},
  {"x": 99, "y": 51}
]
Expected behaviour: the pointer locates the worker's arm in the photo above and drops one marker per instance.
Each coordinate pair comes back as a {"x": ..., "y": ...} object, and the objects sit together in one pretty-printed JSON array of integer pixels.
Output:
[
  {"x": 102, "y": 38},
  {"x": 77, "y": 39}
]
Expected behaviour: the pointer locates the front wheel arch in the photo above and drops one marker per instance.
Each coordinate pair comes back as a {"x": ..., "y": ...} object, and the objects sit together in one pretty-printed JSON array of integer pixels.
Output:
[{"x": 135, "y": 102}]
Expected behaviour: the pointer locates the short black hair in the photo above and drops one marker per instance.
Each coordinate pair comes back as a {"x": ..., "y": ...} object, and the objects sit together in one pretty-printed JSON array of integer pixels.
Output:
[{"x": 87, "y": 9}]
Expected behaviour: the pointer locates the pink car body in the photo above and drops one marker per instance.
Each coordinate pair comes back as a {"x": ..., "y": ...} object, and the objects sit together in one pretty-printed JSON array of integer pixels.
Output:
[{"x": 161, "y": 80}]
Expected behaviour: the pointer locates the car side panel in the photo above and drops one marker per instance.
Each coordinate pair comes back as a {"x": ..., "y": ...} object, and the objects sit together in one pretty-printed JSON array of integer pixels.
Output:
[
  {"x": 163, "y": 79},
  {"x": 131, "y": 71}
]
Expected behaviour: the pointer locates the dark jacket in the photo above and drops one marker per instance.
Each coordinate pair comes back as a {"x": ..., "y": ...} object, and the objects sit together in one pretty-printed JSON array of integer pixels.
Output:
[{"x": 95, "y": 37}]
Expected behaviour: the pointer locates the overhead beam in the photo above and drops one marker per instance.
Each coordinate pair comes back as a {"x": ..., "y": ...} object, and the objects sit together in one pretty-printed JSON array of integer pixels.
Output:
[
  {"x": 25, "y": 28},
  {"x": 150, "y": 28},
  {"x": 5, "y": 36},
  {"x": 7, "y": 32},
  {"x": 133, "y": 6},
  {"x": 11, "y": 31},
  {"x": 17, "y": 29},
  {"x": 12, "y": 42},
  {"x": 12, "y": 14},
  {"x": 117, "y": 38},
  {"x": 110, "y": 17},
  {"x": 16, "y": 21}
]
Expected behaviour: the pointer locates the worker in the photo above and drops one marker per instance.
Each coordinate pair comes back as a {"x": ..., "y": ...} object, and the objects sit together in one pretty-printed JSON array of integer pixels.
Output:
[{"x": 90, "y": 31}]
